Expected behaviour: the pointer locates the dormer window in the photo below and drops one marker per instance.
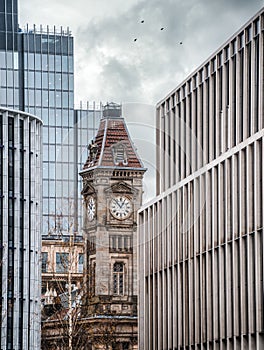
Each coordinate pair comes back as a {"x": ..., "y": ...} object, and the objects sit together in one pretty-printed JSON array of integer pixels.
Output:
[{"x": 119, "y": 154}]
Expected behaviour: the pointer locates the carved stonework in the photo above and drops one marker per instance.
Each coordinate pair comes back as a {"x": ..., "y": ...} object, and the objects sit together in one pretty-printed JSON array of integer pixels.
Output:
[
  {"x": 121, "y": 187},
  {"x": 92, "y": 153},
  {"x": 88, "y": 189}
]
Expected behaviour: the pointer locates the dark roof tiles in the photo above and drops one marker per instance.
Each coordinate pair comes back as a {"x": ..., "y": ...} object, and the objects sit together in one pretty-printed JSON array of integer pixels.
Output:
[{"x": 111, "y": 134}]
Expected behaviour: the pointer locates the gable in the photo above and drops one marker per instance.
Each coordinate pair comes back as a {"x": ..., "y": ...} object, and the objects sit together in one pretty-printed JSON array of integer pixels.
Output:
[
  {"x": 121, "y": 187},
  {"x": 88, "y": 189}
]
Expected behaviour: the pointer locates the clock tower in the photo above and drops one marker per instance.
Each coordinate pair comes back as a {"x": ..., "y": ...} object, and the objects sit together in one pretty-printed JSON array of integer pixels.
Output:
[{"x": 112, "y": 194}]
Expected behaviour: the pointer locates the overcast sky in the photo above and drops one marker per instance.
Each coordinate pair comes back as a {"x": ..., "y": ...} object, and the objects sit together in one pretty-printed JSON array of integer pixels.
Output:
[{"x": 111, "y": 66}]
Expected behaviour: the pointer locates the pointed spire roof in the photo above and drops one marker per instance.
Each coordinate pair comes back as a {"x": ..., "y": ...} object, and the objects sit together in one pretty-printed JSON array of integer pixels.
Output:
[{"x": 112, "y": 146}]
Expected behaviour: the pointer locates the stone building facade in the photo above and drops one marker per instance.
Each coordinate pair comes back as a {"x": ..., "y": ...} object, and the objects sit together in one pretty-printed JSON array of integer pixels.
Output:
[
  {"x": 62, "y": 260},
  {"x": 112, "y": 192},
  {"x": 201, "y": 239}
]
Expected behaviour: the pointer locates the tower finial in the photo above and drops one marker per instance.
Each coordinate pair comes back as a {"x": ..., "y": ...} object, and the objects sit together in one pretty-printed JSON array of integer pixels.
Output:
[{"x": 112, "y": 110}]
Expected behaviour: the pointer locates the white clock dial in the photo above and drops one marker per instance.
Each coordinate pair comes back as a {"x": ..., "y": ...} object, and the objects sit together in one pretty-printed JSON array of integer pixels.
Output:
[
  {"x": 120, "y": 207},
  {"x": 91, "y": 208}
]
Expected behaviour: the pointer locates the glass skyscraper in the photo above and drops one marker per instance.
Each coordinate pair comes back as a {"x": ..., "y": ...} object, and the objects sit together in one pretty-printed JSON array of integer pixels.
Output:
[
  {"x": 47, "y": 91},
  {"x": 37, "y": 76},
  {"x": 87, "y": 120},
  {"x": 9, "y": 70}
]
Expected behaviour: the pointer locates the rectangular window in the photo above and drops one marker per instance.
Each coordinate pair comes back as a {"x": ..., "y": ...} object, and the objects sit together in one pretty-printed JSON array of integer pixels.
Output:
[
  {"x": 51, "y": 59},
  {"x": 80, "y": 263},
  {"x": 44, "y": 265},
  {"x": 62, "y": 262},
  {"x": 118, "y": 278},
  {"x": 65, "y": 63}
]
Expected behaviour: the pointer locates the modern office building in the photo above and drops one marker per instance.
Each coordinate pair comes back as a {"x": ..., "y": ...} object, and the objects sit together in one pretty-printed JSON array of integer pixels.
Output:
[
  {"x": 20, "y": 228},
  {"x": 201, "y": 240},
  {"x": 37, "y": 76},
  {"x": 9, "y": 74},
  {"x": 87, "y": 120}
]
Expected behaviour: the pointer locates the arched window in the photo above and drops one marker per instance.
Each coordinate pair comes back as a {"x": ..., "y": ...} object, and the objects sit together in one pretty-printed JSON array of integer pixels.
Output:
[{"x": 118, "y": 278}]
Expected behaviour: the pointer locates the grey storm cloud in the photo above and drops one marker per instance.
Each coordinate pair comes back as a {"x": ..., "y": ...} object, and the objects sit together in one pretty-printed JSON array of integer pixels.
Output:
[
  {"x": 108, "y": 62},
  {"x": 156, "y": 62},
  {"x": 111, "y": 66},
  {"x": 119, "y": 76}
]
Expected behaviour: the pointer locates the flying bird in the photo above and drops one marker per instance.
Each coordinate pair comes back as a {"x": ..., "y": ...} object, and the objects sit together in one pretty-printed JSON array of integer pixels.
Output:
[
  {"x": 135, "y": 39},
  {"x": 162, "y": 28},
  {"x": 180, "y": 42},
  {"x": 142, "y": 21}
]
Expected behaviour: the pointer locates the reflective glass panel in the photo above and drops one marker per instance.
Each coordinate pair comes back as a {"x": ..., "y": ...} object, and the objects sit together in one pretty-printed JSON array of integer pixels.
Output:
[
  {"x": 45, "y": 205},
  {"x": 31, "y": 99},
  {"x": 58, "y": 99},
  {"x": 52, "y": 117},
  {"x": 71, "y": 82},
  {"x": 45, "y": 98},
  {"x": 31, "y": 61},
  {"x": 65, "y": 63},
  {"x": 51, "y": 135},
  {"x": 45, "y": 80},
  {"x": 38, "y": 98},
  {"x": 45, "y": 153},
  {"x": 52, "y": 188},
  {"x": 45, "y": 170},
  {"x": 37, "y": 62},
  {"x": 38, "y": 80},
  {"x": 45, "y": 116},
  {"x": 51, "y": 62},
  {"x": 31, "y": 81},
  {"x": 15, "y": 60},
  {"x": 10, "y": 78},
  {"x": 16, "y": 82},
  {"x": 58, "y": 135},
  {"x": 52, "y": 98},
  {"x": 71, "y": 64},
  {"x": 44, "y": 63},
  {"x": 2, "y": 59},
  {"x": 58, "y": 81},
  {"x": 3, "y": 98},
  {"x": 51, "y": 81},
  {"x": 58, "y": 63},
  {"x": 65, "y": 99},
  {"x": 3, "y": 77},
  {"x": 52, "y": 167},
  {"x": 52, "y": 155},
  {"x": 9, "y": 59},
  {"x": 65, "y": 82},
  {"x": 10, "y": 97}
]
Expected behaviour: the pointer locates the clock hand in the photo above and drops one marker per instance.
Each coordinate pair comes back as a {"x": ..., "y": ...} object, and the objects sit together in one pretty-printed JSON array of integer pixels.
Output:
[
  {"x": 117, "y": 202},
  {"x": 123, "y": 203}
]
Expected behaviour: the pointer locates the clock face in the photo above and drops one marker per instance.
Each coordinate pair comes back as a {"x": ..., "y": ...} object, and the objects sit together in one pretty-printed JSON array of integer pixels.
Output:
[
  {"x": 91, "y": 208},
  {"x": 120, "y": 207}
]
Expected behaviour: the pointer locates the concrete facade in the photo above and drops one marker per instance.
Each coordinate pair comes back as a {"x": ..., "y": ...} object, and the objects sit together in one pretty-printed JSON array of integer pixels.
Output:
[
  {"x": 201, "y": 239},
  {"x": 20, "y": 229}
]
